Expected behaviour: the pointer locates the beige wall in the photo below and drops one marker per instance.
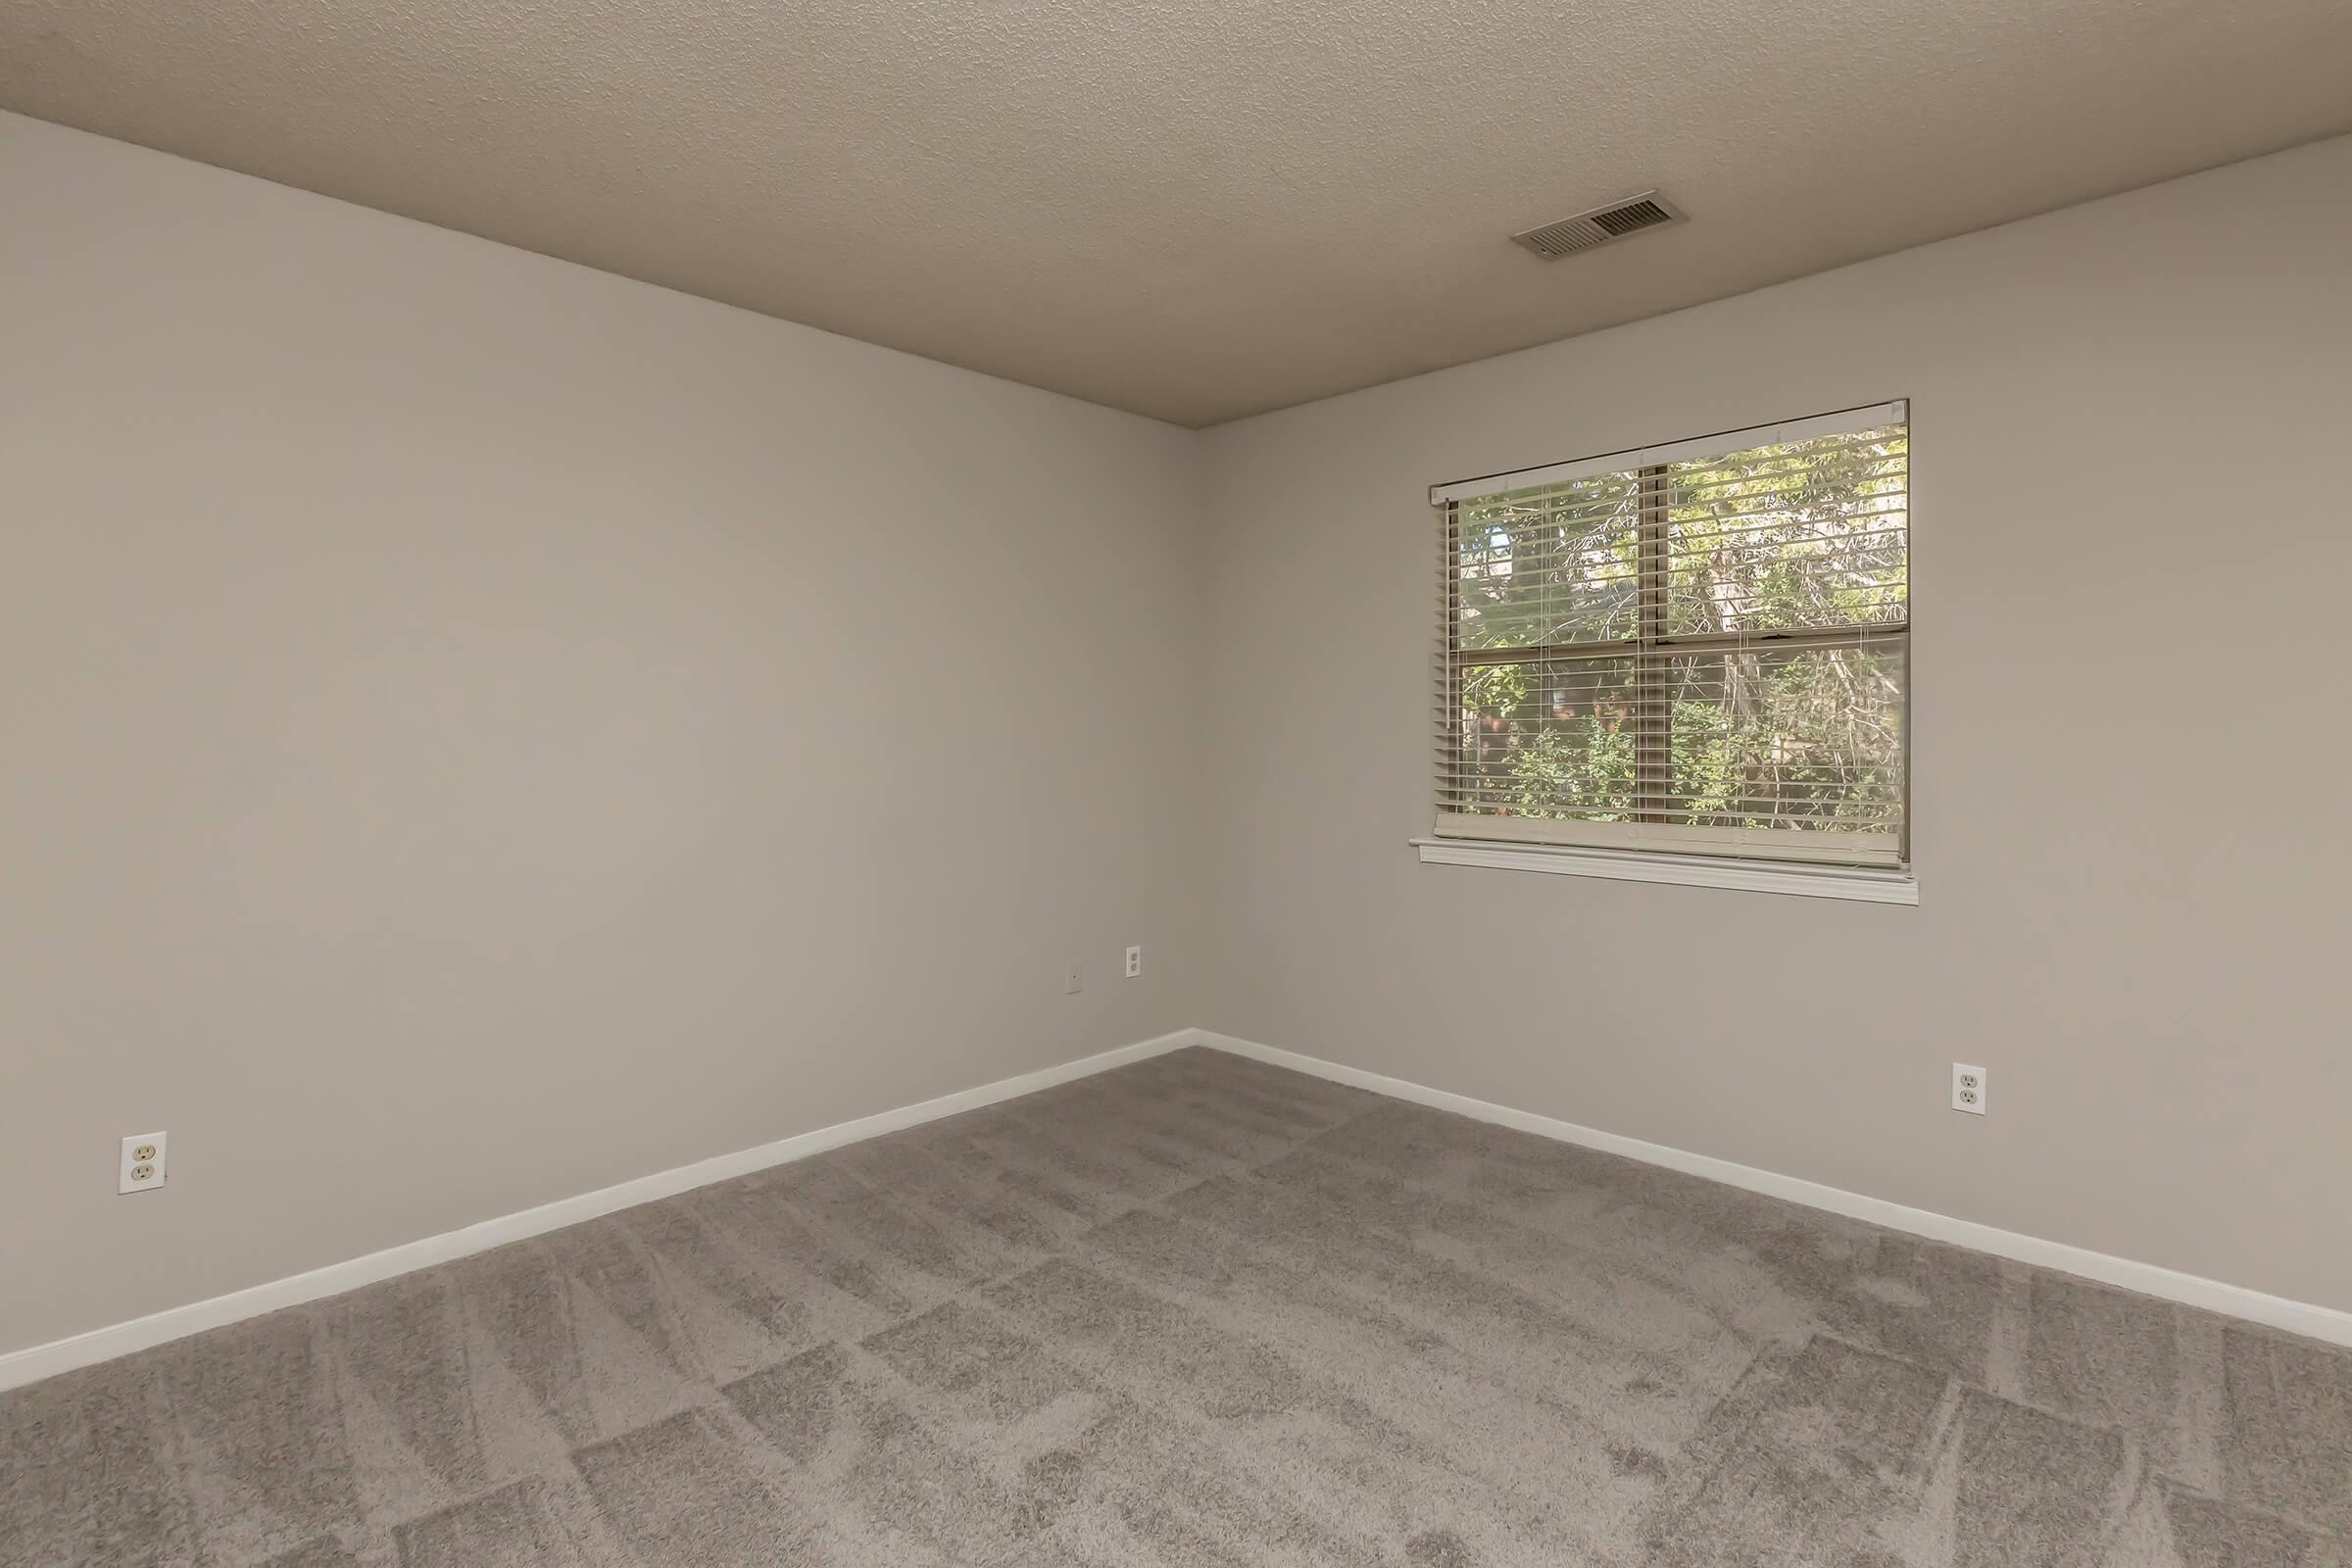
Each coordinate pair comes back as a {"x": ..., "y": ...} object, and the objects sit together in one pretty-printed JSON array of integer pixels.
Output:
[
  {"x": 478, "y": 731},
  {"x": 2131, "y": 437}
]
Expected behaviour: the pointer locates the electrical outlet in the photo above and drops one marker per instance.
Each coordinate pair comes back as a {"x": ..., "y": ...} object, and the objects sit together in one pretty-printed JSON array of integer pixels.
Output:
[
  {"x": 1073, "y": 982},
  {"x": 1135, "y": 961},
  {"x": 1969, "y": 1088},
  {"x": 142, "y": 1162}
]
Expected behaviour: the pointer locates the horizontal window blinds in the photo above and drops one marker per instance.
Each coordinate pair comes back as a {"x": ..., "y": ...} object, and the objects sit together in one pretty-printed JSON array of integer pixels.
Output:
[{"x": 1698, "y": 648}]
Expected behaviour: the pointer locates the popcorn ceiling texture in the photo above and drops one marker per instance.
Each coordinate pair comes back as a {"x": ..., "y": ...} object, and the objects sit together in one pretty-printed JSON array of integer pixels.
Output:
[{"x": 1194, "y": 210}]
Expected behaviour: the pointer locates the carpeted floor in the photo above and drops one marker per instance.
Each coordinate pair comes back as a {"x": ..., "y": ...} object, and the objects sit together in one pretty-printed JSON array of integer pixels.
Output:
[{"x": 1202, "y": 1311}]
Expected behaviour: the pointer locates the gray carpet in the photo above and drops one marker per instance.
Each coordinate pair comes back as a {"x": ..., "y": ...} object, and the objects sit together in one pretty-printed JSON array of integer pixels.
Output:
[{"x": 1202, "y": 1311}]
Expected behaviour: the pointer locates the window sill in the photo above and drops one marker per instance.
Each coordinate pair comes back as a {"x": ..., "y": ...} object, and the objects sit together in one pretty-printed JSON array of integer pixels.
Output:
[{"x": 1750, "y": 876}]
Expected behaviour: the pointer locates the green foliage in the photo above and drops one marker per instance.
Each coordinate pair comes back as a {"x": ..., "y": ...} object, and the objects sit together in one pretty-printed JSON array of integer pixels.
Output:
[
  {"x": 1803, "y": 537},
  {"x": 1594, "y": 771}
]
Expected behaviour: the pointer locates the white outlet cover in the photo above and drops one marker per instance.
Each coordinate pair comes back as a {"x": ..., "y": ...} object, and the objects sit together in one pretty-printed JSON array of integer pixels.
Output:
[
  {"x": 1970, "y": 1088},
  {"x": 143, "y": 1155},
  {"x": 1135, "y": 961}
]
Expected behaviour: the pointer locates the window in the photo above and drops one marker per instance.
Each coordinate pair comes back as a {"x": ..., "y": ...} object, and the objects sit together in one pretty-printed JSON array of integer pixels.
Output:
[{"x": 1699, "y": 650}]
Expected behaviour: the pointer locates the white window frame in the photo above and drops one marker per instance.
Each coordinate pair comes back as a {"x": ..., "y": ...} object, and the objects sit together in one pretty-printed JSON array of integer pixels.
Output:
[{"x": 1661, "y": 852}]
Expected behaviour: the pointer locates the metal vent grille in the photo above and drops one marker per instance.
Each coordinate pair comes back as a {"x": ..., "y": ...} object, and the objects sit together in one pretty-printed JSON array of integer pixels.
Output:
[{"x": 1597, "y": 225}]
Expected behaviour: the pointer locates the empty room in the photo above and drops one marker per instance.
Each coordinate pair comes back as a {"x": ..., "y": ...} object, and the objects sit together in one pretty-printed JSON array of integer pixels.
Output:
[{"x": 1045, "y": 785}]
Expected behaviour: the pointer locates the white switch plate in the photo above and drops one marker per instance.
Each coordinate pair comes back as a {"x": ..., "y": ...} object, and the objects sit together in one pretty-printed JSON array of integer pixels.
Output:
[
  {"x": 1073, "y": 982},
  {"x": 142, "y": 1162},
  {"x": 1969, "y": 1086},
  {"x": 1135, "y": 961}
]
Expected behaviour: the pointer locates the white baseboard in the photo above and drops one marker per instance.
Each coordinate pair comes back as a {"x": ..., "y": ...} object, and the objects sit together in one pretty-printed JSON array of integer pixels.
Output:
[
  {"x": 2296, "y": 1317},
  {"x": 30, "y": 1366}
]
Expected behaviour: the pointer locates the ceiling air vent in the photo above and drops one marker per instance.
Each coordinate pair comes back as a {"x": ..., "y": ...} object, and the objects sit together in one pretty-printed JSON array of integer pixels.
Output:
[{"x": 1597, "y": 225}]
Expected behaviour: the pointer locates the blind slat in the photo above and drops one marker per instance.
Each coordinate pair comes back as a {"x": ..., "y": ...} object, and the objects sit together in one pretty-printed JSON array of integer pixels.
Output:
[{"x": 1705, "y": 447}]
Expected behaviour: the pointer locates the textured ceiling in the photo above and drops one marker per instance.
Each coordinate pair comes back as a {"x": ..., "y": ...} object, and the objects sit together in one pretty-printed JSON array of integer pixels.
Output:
[{"x": 1196, "y": 209}]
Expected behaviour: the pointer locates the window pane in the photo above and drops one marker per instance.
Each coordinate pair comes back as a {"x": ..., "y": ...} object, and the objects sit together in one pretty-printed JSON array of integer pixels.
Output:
[
  {"x": 1803, "y": 535},
  {"x": 1799, "y": 738},
  {"x": 1551, "y": 738},
  {"x": 1766, "y": 717},
  {"x": 1548, "y": 565}
]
